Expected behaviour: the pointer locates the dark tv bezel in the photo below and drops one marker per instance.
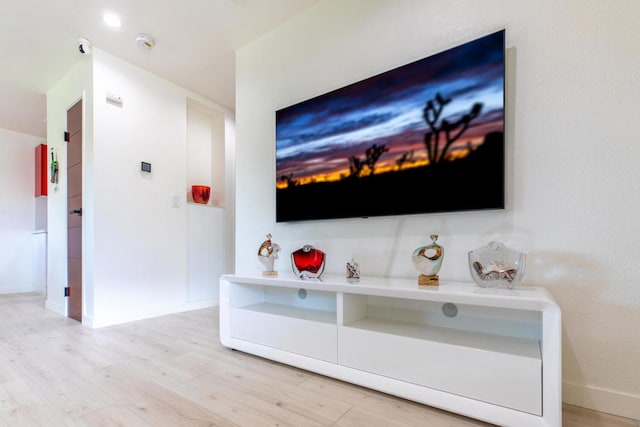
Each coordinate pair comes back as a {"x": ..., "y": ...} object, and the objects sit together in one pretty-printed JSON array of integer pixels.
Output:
[{"x": 317, "y": 209}]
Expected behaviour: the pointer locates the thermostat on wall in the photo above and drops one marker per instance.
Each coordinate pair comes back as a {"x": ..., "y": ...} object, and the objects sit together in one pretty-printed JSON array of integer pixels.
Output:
[{"x": 145, "y": 167}]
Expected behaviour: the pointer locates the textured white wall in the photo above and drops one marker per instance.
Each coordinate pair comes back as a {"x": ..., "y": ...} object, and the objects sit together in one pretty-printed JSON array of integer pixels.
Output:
[
  {"x": 17, "y": 210},
  {"x": 139, "y": 236},
  {"x": 572, "y": 91},
  {"x": 134, "y": 240}
]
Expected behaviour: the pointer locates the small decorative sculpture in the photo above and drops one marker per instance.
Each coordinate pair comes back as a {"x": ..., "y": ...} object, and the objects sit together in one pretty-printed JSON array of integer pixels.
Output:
[
  {"x": 267, "y": 255},
  {"x": 54, "y": 166},
  {"x": 428, "y": 260},
  {"x": 201, "y": 194},
  {"x": 495, "y": 265},
  {"x": 353, "y": 271},
  {"x": 308, "y": 262}
]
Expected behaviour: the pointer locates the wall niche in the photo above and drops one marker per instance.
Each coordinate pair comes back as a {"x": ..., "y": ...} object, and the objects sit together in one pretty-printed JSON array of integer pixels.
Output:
[
  {"x": 206, "y": 223},
  {"x": 206, "y": 151}
]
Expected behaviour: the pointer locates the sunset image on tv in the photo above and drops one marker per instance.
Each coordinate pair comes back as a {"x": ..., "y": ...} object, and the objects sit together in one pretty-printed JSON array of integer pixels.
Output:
[{"x": 422, "y": 138}]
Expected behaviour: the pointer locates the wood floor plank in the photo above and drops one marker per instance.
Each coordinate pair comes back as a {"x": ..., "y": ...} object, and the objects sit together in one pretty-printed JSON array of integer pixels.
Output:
[
  {"x": 150, "y": 401},
  {"x": 113, "y": 416},
  {"x": 172, "y": 371},
  {"x": 239, "y": 407},
  {"x": 376, "y": 403},
  {"x": 573, "y": 416},
  {"x": 20, "y": 407},
  {"x": 266, "y": 392},
  {"x": 358, "y": 417},
  {"x": 243, "y": 365}
]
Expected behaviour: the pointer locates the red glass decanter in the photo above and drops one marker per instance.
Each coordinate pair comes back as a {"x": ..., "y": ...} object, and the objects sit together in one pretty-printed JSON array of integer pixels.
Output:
[{"x": 308, "y": 262}]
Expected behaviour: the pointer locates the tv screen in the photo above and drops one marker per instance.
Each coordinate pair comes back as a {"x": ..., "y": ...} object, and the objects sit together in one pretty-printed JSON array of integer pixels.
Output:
[{"x": 425, "y": 137}]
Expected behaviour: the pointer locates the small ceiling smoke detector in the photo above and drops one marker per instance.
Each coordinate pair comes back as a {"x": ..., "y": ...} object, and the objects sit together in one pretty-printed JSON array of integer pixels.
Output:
[{"x": 145, "y": 41}]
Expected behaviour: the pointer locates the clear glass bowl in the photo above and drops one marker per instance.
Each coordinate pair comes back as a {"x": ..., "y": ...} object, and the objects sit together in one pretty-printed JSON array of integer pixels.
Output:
[{"x": 495, "y": 265}]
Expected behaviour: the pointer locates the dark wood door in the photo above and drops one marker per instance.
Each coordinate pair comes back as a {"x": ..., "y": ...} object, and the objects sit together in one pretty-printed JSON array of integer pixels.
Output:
[{"x": 74, "y": 206}]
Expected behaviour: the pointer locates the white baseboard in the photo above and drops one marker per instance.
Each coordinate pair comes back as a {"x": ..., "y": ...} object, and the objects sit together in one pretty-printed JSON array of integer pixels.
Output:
[
  {"x": 196, "y": 305},
  {"x": 603, "y": 400},
  {"x": 16, "y": 290},
  {"x": 88, "y": 321},
  {"x": 55, "y": 307},
  {"x": 144, "y": 313}
]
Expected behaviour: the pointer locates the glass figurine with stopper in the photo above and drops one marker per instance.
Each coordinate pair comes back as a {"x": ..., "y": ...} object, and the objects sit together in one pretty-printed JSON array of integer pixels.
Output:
[
  {"x": 353, "y": 271},
  {"x": 308, "y": 262},
  {"x": 267, "y": 255},
  {"x": 428, "y": 260}
]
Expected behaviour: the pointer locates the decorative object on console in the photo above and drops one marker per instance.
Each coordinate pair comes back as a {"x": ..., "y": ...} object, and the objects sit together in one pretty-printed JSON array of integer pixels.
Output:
[
  {"x": 308, "y": 262},
  {"x": 54, "y": 166},
  {"x": 267, "y": 255},
  {"x": 428, "y": 260},
  {"x": 41, "y": 187},
  {"x": 353, "y": 271},
  {"x": 495, "y": 265},
  {"x": 201, "y": 193}
]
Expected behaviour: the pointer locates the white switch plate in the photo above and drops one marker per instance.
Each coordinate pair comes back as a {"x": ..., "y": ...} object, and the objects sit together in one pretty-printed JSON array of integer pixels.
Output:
[{"x": 114, "y": 98}]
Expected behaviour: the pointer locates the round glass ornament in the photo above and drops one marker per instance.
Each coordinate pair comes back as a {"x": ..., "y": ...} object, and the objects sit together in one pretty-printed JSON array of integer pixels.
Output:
[{"x": 496, "y": 265}]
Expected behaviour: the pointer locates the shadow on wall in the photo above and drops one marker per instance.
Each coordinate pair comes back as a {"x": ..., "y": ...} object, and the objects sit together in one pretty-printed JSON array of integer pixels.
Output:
[
  {"x": 593, "y": 307},
  {"x": 554, "y": 270}
]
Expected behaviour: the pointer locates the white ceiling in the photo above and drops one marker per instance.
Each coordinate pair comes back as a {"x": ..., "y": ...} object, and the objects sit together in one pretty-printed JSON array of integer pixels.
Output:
[{"x": 195, "y": 45}]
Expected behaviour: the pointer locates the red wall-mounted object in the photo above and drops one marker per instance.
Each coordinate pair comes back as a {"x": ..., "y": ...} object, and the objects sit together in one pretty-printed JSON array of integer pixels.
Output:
[{"x": 41, "y": 170}]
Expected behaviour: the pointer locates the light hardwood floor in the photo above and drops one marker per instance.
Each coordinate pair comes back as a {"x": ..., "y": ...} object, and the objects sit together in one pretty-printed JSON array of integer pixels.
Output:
[{"x": 172, "y": 371}]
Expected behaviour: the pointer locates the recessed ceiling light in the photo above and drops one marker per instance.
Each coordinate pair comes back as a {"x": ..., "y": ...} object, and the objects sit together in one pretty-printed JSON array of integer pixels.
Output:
[{"x": 112, "y": 20}]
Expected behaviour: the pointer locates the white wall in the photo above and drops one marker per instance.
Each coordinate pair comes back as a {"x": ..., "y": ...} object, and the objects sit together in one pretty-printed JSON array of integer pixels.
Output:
[
  {"x": 572, "y": 92},
  {"x": 17, "y": 211},
  {"x": 134, "y": 224},
  {"x": 139, "y": 237}
]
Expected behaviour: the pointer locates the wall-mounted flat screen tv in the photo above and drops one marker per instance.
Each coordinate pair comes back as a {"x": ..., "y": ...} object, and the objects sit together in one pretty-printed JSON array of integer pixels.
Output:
[{"x": 425, "y": 137}]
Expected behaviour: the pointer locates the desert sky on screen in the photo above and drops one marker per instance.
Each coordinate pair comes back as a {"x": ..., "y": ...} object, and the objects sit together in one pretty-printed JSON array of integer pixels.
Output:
[{"x": 315, "y": 138}]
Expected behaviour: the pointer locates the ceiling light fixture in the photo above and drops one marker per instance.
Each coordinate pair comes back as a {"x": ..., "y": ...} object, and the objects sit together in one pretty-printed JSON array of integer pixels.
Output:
[{"x": 112, "y": 20}]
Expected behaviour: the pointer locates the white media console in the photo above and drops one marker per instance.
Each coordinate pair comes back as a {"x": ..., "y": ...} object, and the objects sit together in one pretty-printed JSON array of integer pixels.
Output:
[{"x": 490, "y": 354}]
